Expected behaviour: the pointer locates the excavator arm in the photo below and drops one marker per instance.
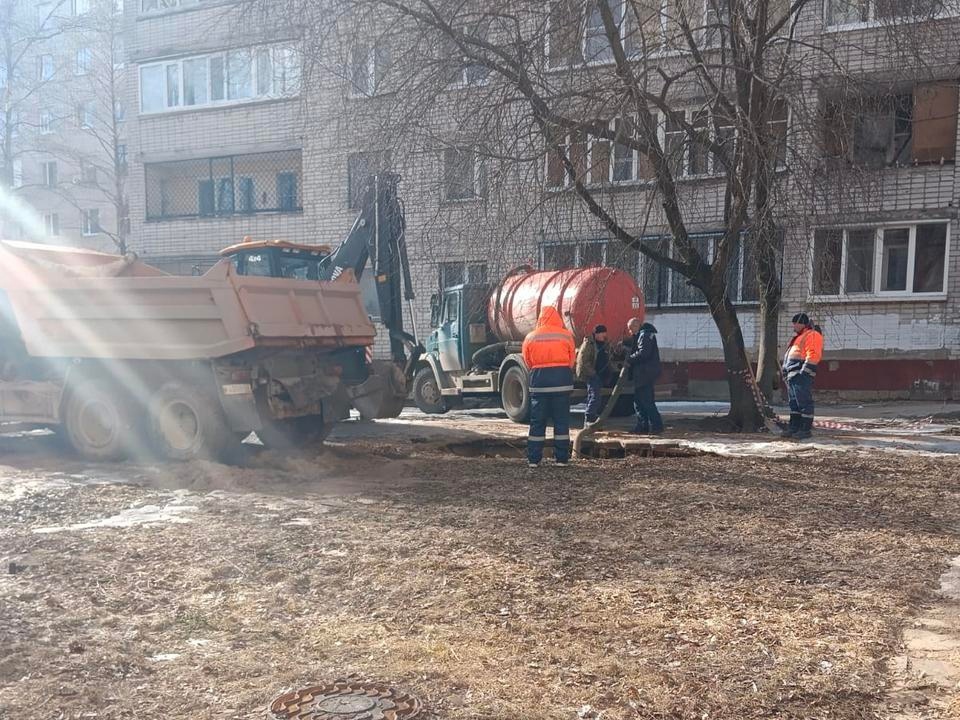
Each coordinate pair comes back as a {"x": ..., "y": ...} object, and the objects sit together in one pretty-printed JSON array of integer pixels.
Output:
[{"x": 377, "y": 239}]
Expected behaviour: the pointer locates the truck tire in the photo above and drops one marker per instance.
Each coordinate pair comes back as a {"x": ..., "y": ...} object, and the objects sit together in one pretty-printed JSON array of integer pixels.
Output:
[
  {"x": 515, "y": 394},
  {"x": 97, "y": 420},
  {"x": 426, "y": 392},
  {"x": 187, "y": 423},
  {"x": 293, "y": 433}
]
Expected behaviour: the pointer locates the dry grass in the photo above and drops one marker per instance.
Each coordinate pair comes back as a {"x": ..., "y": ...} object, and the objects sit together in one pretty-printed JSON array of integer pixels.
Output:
[{"x": 646, "y": 588}]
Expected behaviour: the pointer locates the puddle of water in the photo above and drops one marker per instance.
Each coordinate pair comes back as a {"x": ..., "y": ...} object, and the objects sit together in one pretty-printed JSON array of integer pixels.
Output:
[{"x": 144, "y": 515}]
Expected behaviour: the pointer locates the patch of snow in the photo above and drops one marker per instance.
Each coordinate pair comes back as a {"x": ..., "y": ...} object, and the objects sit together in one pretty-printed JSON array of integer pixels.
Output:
[
  {"x": 165, "y": 657},
  {"x": 198, "y": 642},
  {"x": 144, "y": 515},
  {"x": 950, "y": 580},
  {"x": 298, "y": 522}
]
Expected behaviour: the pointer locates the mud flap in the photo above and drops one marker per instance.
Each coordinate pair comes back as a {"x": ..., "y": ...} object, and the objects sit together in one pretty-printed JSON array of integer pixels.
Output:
[{"x": 383, "y": 394}]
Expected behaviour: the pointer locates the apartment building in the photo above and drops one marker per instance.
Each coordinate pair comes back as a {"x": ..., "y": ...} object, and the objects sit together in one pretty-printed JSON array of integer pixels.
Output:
[
  {"x": 229, "y": 139},
  {"x": 63, "y": 155}
]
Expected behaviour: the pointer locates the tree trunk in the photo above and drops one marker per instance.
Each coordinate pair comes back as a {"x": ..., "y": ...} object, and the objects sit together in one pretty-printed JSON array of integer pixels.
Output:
[
  {"x": 768, "y": 361},
  {"x": 744, "y": 413}
]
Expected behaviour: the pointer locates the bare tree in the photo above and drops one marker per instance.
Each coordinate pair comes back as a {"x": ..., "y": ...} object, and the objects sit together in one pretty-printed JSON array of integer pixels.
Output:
[
  {"x": 25, "y": 28},
  {"x": 656, "y": 121},
  {"x": 91, "y": 101}
]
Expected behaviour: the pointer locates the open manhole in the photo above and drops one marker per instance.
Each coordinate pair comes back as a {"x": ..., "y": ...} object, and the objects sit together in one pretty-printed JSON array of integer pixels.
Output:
[{"x": 346, "y": 700}]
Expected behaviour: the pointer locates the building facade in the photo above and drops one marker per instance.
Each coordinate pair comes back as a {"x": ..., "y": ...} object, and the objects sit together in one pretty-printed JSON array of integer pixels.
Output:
[
  {"x": 62, "y": 124},
  {"x": 230, "y": 136}
]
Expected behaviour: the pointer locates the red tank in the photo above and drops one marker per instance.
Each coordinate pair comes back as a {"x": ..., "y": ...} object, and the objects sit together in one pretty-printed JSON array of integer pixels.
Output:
[{"x": 585, "y": 297}]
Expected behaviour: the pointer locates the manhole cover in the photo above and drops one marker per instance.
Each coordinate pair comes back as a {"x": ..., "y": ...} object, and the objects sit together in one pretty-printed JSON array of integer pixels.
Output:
[{"x": 346, "y": 700}]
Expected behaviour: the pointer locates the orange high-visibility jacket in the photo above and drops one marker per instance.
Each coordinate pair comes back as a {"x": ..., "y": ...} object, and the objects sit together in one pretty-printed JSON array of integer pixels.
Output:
[
  {"x": 803, "y": 354},
  {"x": 550, "y": 354}
]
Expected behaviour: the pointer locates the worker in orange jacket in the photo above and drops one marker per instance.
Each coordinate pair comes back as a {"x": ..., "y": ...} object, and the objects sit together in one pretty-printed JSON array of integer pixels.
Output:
[
  {"x": 800, "y": 368},
  {"x": 550, "y": 353}
]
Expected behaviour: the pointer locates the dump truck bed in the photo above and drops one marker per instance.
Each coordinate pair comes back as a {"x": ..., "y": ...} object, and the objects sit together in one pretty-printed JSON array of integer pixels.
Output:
[{"x": 79, "y": 304}]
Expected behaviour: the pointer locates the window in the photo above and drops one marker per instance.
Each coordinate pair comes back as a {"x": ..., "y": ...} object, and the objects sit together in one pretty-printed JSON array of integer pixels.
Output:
[
  {"x": 915, "y": 127},
  {"x": 661, "y": 286},
  {"x": 80, "y": 7},
  {"x": 85, "y": 115},
  {"x": 45, "y": 67},
  {"x": 589, "y": 253},
  {"x": 596, "y": 44},
  {"x": 848, "y": 12},
  {"x": 246, "y": 195},
  {"x": 3, "y": 75},
  {"x": 463, "y": 72},
  {"x": 48, "y": 123},
  {"x": 224, "y": 186},
  {"x": 463, "y": 175},
  {"x": 360, "y": 166},
  {"x": 234, "y": 76},
  {"x": 287, "y": 192},
  {"x": 121, "y": 156},
  {"x": 51, "y": 224},
  {"x": 49, "y": 173},
  {"x": 368, "y": 66},
  {"x": 17, "y": 173},
  {"x": 91, "y": 222},
  {"x": 576, "y": 32},
  {"x": 458, "y": 273},
  {"x": 119, "y": 111},
  {"x": 877, "y": 261},
  {"x": 150, "y": 6},
  {"x": 88, "y": 173},
  {"x": 82, "y": 61}
]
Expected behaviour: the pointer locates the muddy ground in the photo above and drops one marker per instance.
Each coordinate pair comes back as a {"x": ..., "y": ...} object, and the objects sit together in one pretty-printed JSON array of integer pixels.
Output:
[{"x": 662, "y": 587}]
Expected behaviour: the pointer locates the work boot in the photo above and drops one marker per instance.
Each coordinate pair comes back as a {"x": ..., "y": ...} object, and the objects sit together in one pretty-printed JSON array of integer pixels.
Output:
[
  {"x": 796, "y": 421},
  {"x": 806, "y": 429}
]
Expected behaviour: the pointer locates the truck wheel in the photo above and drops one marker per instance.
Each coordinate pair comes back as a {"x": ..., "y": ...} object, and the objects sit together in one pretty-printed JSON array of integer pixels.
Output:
[
  {"x": 98, "y": 422},
  {"x": 293, "y": 433},
  {"x": 426, "y": 392},
  {"x": 188, "y": 424},
  {"x": 515, "y": 394}
]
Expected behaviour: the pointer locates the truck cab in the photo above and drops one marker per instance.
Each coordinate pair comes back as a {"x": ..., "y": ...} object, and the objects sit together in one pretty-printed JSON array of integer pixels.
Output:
[
  {"x": 276, "y": 258},
  {"x": 459, "y": 318}
]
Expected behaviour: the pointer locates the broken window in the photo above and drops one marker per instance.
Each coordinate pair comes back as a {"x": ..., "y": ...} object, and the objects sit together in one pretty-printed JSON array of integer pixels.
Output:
[{"x": 894, "y": 129}]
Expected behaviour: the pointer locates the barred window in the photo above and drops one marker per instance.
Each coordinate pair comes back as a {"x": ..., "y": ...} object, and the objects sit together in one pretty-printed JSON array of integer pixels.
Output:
[{"x": 221, "y": 186}]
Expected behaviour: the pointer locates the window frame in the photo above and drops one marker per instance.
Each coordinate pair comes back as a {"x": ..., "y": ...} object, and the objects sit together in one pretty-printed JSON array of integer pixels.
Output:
[
  {"x": 82, "y": 60},
  {"x": 467, "y": 268},
  {"x": 45, "y": 71},
  {"x": 376, "y": 61},
  {"x": 665, "y": 274},
  {"x": 50, "y": 173},
  {"x": 285, "y": 53},
  {"x": 51, "y": 224},
  {"x": 662, "y": 49},
  {"x": 951, "y": 9},
  {"x": 715, "y": 168},
  {"x": 88, "y": 228},
  {"x": 877, "y": 294},
  {"x": 479, "y": 176}
]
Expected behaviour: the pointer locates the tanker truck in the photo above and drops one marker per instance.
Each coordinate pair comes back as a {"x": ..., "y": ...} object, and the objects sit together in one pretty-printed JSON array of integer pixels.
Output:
[{"x": 474, "y": 349}]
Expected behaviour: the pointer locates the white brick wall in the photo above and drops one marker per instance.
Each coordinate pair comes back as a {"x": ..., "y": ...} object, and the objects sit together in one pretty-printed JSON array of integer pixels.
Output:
[{"x": 506, "y": 229}]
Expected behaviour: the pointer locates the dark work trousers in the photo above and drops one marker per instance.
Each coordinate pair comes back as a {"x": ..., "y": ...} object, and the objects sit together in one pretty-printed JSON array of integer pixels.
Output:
[
  {"x": 544, "y": 408},
  {"x": 594, "y": 398},
  {"x": 800, "y": 393},
  {"x": 648, "y": 417}
]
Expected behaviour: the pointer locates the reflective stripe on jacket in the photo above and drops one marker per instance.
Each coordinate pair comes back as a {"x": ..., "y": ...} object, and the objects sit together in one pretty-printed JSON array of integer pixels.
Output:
[
  {"x": 550, "y": 353},
  {"x": 803, "y": 354}
]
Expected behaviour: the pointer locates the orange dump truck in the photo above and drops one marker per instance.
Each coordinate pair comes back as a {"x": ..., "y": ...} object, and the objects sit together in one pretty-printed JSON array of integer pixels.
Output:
[{"x": 122, "y": 356}]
